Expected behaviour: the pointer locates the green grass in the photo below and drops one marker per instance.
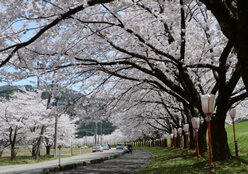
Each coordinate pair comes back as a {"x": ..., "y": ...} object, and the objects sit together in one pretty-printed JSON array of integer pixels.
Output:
[
  {"x": 241, "y": 132},
  {"x": 171, "y": 161},
  {"x": 174, "y": 161}
]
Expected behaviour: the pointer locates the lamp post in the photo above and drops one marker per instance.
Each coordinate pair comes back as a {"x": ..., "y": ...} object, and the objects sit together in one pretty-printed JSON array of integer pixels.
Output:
[
  {"x": 171, "y": 138},
  {"x": 196, "y": 124},
  {"x": 232, "y": 113},
  {"x": 186, "y": 130},
  {"x": 207, "y": 102},
  {"x": 180, "y": 130},
  {"x": 175, "y": 136}
]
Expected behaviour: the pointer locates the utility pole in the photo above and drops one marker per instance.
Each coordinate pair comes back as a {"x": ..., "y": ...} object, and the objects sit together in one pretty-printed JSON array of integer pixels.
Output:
[
  {"x": 56, "y": 129},
  {"x": 71, "y": 146},
  {"x": 95, "y": 131},
  {"x": 43, "y": 127},
  {"x": 101, "y": 131},
  {"x": 85, "y": 139}
]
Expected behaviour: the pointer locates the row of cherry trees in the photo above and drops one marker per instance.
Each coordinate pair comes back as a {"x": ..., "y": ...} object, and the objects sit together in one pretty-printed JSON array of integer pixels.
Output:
[
  {"x": 150, "y": 60},
  {"x": 22, "y": 117}
]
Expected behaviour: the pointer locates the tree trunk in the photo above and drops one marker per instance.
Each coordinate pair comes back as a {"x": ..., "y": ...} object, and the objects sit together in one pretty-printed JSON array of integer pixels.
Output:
[
  {"x": 12, "y": 139},
  {"x": 39, "y": 143},
  {"x": 48, "y": 148},
  {"x": 202, "y": 138},
  {"x": 220, "y": 146},
  {"x": 33, "y": 150},
  {"x": 13, "y": 152},
  {"x": 165, "y": 143},
  {"x": 243, "y": 40},
  {"x": 192, "y": 144},
  {"x": 1, "y": 153},
  {"x": 178, "y": 141}
]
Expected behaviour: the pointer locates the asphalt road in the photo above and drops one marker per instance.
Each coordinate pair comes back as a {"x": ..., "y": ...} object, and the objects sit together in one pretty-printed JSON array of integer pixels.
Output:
[
  {"x": 125, "y": 164},
  {"x": 38, "y": 168}
]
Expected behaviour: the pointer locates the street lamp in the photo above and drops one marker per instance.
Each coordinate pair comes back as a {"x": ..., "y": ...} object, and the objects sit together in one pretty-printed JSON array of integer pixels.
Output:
[
  {"x": 186, "y": 130},
  {"x": 196, "y": 124},
  {"x": 180, "y": 131},
  {"x": 171, "y": 138},
  {"x": 175, "y": 136},
  {"x": 232, "y": 113},
  {"x": 207, "y": 102}
]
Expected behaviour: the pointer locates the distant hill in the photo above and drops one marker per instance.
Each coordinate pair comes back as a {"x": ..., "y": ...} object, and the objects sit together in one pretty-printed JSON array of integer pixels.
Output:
[
  {"x": 67, "y": 95},
  {"x": 89, "y": 129},
  {"x": 6, "y": 91}
]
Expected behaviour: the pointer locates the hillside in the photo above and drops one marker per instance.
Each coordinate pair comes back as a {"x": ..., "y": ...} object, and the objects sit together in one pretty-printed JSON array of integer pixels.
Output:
[
  {"x": 67, "y": 95},
  {"x": 6, "y": 90}
]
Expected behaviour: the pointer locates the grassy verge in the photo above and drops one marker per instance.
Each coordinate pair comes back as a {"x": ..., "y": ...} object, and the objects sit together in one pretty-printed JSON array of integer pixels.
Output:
[
  {"x": 171, "y": 161},
  {"x": 241, "y": 132}
]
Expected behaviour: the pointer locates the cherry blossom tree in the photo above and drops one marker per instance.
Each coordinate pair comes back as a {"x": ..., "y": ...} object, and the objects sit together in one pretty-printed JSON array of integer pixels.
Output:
[
  {"x": 172, "y": 46},
  {"x": 113, "y": 138},
  {"x": 232, "y": 17},
  {"x": 22, "y": 117},
  {"x": 66, "y": 131},
  {"x": 135, "y": 61}
]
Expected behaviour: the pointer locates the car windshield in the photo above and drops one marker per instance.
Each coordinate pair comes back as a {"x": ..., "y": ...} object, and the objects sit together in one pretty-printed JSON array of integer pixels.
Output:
[
  {"x": 119, "y": 144},
  {"x": 104, "y": 145},
  {"x": 96, "y": 145}
]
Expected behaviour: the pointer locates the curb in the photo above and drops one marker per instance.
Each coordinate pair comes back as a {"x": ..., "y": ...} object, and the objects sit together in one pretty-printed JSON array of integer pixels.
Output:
[{"x": 76, "y": 165}]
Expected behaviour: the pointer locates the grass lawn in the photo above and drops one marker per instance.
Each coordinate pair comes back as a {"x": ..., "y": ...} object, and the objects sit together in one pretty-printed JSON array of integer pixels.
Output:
[
  {"x": 241, "y": 132},
  {"x": 171, "y": 161}
]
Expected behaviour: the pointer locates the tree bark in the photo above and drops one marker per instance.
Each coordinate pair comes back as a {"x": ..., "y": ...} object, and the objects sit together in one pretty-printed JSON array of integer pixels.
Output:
[
  {"x": 234, "y": 28},
  {"x": 1, "y": 153},
  {"x": 220, "y": 146},
  {"x": 48, "y": 149},
  {"x": 39, "y": 143},
  {"x": 192, "y": 144},
  {"x": 202, "y": 138},
  {"x": 12, "y": 138},
  {"x": 13, "y": 152},
  {"x": 243, "y": 40},
  {"x": 33, "y": 150},
  {"x": 178, "y": 141}
]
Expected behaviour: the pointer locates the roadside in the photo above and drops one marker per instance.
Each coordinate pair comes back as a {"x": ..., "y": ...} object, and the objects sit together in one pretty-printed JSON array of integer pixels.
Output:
[
  {"x": 66, "y": 163},
  {"x": 125, "y": 164}
]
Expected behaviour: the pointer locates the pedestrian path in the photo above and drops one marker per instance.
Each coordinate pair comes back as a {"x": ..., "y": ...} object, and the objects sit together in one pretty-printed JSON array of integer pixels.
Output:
[
  {"x": 125, "y": 164},
  {"x": 69, "y": 162}
]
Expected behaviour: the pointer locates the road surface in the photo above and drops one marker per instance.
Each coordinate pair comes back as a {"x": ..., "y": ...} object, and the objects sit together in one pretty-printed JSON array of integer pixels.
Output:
[{"x": 125, "y": 164}]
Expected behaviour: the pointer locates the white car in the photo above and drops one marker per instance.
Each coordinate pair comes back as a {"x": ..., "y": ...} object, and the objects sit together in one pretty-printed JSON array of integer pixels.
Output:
[
  {"x": 119, "y": 146},
  {"x": 105, "y": 147},
  {"x": 84, "y": 147},
  {"x": 97, "y": 147}
]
